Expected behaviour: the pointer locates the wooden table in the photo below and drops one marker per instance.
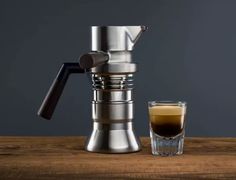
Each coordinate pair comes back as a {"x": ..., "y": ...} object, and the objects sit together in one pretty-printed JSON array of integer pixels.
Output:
[{"x": 65, "y": 158}]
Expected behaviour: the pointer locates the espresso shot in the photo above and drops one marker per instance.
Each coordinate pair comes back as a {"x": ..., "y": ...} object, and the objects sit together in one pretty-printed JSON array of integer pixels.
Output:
[
  {"x": 167, "y": 121},
  {"x": 167, "y": 127}
]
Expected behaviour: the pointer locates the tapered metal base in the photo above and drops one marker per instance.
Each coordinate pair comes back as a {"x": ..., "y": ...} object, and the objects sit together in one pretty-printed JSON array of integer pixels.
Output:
[{"x": 113, "y": 138}]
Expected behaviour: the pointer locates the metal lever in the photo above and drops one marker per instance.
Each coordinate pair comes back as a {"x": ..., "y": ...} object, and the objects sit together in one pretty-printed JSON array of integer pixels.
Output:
[{"x": 50, "y": 101}]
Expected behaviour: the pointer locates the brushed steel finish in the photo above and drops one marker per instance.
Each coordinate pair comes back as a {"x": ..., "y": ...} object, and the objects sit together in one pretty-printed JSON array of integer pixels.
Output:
[
  {"x": 115, "y": 38},
  {"x": 115, "y": 68},
  {"x": 119, "y": 56},
  {"x": 113, "y": 138},
  {"x": 112, "y": 112},
  {"x": 116, "y": 95},
  {"x": 119, "y": 62}
]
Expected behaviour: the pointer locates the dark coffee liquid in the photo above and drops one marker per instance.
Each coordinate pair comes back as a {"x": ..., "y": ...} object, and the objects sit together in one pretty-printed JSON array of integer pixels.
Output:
[{"x": 167, "y": 125}]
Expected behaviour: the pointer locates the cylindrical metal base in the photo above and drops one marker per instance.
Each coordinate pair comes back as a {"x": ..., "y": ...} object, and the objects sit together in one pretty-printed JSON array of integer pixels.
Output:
[{"x": 113, "y": 138}]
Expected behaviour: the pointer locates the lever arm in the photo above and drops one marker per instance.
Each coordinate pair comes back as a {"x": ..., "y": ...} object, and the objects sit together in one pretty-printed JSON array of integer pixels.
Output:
[{"x": 50, "y": 101}]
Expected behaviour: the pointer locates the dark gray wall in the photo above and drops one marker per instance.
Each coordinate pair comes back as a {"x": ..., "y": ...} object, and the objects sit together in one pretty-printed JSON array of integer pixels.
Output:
[{"x": 188, "y": 54}]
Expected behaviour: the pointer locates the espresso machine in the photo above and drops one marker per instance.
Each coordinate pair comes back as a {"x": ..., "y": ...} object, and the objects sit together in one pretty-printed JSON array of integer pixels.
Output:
[{"x": 110, "y": 67}]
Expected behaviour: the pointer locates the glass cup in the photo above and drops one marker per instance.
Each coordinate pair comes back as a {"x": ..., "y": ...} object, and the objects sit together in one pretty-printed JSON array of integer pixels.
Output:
[{"x": 167, "y": 127}]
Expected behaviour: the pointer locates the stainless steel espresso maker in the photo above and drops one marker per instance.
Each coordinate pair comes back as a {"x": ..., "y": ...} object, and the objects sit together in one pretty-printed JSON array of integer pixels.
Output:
[{"x": 111, "y": 68}]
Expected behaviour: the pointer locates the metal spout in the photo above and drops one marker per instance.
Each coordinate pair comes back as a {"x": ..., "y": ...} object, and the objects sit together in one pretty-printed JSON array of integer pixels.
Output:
[{"x": 133, "y": 33}]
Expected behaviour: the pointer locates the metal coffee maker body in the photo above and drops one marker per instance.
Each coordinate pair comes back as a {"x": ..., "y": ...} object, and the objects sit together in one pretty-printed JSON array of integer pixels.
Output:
[{"x": 111, "y": 70}]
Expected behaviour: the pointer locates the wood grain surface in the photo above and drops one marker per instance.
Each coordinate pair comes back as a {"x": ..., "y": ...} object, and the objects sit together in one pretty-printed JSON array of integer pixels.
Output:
[{"x": 65, "y": 158}]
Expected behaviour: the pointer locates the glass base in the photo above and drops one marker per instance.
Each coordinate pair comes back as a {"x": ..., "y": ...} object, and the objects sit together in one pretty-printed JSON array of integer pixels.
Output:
[{"x": 167, "y": 146}]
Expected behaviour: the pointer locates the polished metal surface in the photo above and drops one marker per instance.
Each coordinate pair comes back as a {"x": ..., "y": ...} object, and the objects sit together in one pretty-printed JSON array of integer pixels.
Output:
[
  {"x": 112, "y": 70},
  {"x": 119, "y": 62},
  {"x": 115, "y": 68},
  {"x": 112, "y": 112},
  {"x": 118, "y": 95},
  {"x": 120, "y": 56},
  {"x": 115, "y": 38},
  {"x": 113, "y": 138}
]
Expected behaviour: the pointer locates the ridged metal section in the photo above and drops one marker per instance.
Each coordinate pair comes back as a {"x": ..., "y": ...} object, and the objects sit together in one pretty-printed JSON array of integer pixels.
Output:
[
  {"x": 121, "y": 81},
  {"x": 112, "y": 98}
]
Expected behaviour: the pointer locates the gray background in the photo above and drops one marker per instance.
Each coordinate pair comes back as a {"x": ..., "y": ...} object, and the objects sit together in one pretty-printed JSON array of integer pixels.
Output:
[{"x": 188, "y": 54}]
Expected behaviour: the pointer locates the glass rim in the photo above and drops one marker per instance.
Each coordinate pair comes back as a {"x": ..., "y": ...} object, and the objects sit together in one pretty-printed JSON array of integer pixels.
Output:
[{"x": 167, "y": 103}]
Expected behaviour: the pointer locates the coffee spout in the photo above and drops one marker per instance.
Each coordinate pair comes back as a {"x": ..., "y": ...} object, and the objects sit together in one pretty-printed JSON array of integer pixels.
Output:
[{"x": 133, "y": 33}]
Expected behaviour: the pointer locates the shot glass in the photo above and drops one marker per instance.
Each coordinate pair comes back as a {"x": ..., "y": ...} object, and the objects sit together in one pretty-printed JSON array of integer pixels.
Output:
[{"x": 167, "y": 127}]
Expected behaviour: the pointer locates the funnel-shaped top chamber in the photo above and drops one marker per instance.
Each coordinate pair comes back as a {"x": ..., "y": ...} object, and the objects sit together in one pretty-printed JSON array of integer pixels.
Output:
[{"x": 115, "y": 38}]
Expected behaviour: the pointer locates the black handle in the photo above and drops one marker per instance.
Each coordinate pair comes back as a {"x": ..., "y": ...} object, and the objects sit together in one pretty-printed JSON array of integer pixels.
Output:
[
  {"x": 93, "y": 59},
  {"x": 50, "y": 101}
]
